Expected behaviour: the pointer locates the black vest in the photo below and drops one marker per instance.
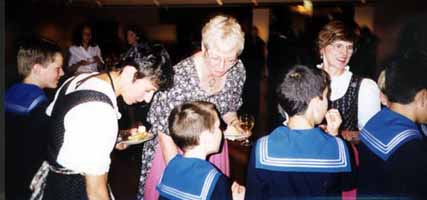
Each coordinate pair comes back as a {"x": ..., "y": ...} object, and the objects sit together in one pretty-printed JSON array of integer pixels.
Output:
[
  {"x": 65, "y": 103},
  {"x": 348, "y": 105}
]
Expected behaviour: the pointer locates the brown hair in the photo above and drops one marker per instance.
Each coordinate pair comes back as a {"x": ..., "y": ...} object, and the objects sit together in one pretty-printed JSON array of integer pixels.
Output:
[
  {"x": 299, "y": 86},
  {"x": 189, "y": 120},
  {"x": 335, "y": 30}
]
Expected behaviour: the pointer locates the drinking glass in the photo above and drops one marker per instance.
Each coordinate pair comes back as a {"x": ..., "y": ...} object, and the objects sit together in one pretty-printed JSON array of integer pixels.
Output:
[{"x": 247, "y": 123}]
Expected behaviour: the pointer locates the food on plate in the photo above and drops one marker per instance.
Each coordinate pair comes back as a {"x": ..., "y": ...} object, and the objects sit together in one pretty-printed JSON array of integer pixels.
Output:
[
  {"x": 232, "y": 131},
  {"x": 138, "y": 136},
  {"x": 141, "y": 129}
]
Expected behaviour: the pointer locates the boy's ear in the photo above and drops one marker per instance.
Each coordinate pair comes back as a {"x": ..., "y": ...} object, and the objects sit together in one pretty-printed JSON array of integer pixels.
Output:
[
  {"x": 128, "y": 73},
  {"x": 203, "y": 48},
  {"x": 312, "y": 105},
  {"x": 422, "y": 95},
  {"x": 36, "y": 69},
  {"x": 204, "y": 137}
]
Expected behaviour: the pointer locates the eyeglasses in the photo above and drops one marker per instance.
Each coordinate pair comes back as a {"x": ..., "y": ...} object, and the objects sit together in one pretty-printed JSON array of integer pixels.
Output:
[
  {"x": 340, "y": 46},
  {"x": 215, "y": 59}
]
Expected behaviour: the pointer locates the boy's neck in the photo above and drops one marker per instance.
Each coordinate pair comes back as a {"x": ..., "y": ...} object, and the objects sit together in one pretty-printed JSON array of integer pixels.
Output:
[
  {"x": 406, "y": 110},
  {"x": 116, "y": 81},
  {"x": 195, "y": 152},
  {"x": 300, "y": 122},
  {"x": 31, "y": 80}
]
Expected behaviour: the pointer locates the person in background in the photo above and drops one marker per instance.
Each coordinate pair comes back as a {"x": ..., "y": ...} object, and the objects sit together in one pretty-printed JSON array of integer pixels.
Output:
[
  {"x": 195, "y": 128},
  {"x": 216, "y": 75},
  {"x": 84, "y": 127},
  {"x": 133, "y": 114},
  {"x": 136, "y": 45},
  {"x": 357, "y": 98},
  {"x": 40, "y": 64},
  {"x": 85, "y": 55},
  {"x": 393, "y": 155},
  {"x": 298, "y": 159}
]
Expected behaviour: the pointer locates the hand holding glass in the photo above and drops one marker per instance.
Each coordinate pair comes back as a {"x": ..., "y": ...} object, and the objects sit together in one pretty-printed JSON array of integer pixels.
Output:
[{"x": 247, "y": 122}]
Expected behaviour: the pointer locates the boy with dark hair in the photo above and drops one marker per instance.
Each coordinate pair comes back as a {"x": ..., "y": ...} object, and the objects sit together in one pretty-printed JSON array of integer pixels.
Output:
[
  {"x": 393, "y": 162},
  {"x": 194, "y": 127},
  {"x": 298, "y": 159},
  {"x": 40, "y": 65}
]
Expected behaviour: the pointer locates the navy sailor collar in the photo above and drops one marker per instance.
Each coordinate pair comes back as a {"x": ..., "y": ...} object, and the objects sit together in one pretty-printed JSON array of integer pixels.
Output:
[
  {"x": 188, "y": 178},
  {"x": 387, "y": 131},
  {"x": 423, "y": 128},
  {"x": 22, "y": 98},
  {"x": 309, "y": 150}
]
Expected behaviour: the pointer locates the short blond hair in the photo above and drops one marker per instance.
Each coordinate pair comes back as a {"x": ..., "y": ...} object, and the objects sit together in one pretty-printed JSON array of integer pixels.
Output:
[
  {"x": 223, "y": 31},
  {"x": 189, "y": 120},
  {"x": 36, "y": 51}
]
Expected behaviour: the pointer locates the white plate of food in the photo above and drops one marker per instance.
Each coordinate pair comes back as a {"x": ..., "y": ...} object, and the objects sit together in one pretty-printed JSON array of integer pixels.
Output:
[
  {"x": 233, "y": 134},
  {"x": 138, "y": 138}
]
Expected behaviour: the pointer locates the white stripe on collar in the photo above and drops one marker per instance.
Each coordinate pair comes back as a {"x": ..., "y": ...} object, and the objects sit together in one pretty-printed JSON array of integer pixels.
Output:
[
  {"x": 424, "y": 129},
  {"x": 184, "y": 195},
  {"x": 265, "y": 159},
  {"x": 393, "y": 143}
]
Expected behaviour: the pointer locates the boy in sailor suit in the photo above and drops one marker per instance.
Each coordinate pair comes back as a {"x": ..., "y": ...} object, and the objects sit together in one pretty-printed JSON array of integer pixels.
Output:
[
  {"x": 393, "y": 157},
  {"x": 194, "y": 127},
  {"x": 298, "y": 159}
]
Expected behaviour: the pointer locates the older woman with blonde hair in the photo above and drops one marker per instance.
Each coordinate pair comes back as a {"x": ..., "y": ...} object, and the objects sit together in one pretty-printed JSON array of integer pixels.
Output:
[{"x": 216, "y": 75}]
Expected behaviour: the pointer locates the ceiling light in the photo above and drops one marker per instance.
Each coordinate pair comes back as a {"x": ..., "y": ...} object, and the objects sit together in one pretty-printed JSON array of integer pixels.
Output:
[{"x": 219, "y": 2}]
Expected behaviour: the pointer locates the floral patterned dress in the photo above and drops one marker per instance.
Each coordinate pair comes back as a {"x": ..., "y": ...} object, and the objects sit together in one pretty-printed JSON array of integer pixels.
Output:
[{"x": 186, "y": 89}]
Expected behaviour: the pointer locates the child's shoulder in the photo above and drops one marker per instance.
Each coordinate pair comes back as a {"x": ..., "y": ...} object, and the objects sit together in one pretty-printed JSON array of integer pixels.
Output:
[
  {"x": 309, "y": 150},
  {"x": 22, "y": 98}
]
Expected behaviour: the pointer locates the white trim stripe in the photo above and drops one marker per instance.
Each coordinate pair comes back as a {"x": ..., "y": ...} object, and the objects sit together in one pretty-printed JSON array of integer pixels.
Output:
[
  {"x": 393, "y": 143},
  {"x": 265, "y": 159},
  {"x": 424, "y": 129},
  {"x": 184, "y": 195}
]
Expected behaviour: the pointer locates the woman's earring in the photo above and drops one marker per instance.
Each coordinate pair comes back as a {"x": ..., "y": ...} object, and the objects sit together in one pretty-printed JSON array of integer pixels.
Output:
[{"x": 321, "y": 56}]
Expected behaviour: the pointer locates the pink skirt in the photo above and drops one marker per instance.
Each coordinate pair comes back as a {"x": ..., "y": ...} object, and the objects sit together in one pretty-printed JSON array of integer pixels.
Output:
[
  {"x": 220, "y": 160},
  {"x": 352, "y": 194}
]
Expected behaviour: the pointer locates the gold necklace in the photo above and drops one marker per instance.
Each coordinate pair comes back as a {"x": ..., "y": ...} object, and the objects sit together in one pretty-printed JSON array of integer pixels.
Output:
[{"x": 212, "y": 82}]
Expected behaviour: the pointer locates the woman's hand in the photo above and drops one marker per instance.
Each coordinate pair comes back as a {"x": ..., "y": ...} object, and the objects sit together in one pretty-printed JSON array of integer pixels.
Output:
[
  {"x": 234, "y": 124},
  {"x": 123, "y": 135},
  {"x": 238, "y": 191},
  {"x": 96, "y": 59},
  {"x": 83, "y": 63},
  {"x": 121, "y": 146}
]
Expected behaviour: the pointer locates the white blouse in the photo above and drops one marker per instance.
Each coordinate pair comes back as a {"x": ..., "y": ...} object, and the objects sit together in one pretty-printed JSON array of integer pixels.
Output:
[
  {"x": 90, "y": 130},
  {"x": 78, "y": 53},
  {"x": 368, "y": 98}
]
